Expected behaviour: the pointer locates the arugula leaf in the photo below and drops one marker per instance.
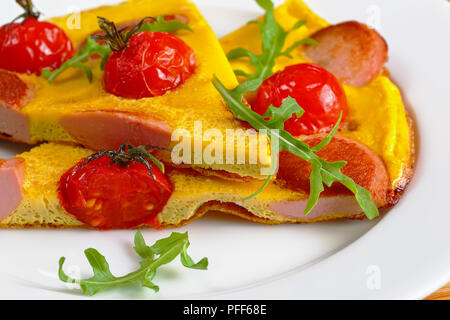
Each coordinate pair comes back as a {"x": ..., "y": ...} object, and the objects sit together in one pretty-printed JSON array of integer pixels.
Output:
[
  {"x": 272, "y": 122},
  {"x": 93, "y": 48},
  {"x": 166, "y": 250},
  {"x": 90, "y": 48},
  {"x": 162, "y": 25},
  {"x": 273, "y": 40},
  {"x": 322, "y": 171}
]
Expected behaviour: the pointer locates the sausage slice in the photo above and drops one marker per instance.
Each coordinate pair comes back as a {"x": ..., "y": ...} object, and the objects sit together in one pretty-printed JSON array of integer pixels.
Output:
[
  {"x": 364, "y": 166},
  {"x": 14, "y": 94},
  {"x": 350, "y": 50},
  {"x": 12, "y": 174}
]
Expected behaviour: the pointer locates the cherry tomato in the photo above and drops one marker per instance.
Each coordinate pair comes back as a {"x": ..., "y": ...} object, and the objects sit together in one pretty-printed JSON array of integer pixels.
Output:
[
  {"x": 33, "y": 45},
  {"x": 105, "y": 195},
  {"x": 152, "y": 64},
  {"x": 315, "y": 89}
]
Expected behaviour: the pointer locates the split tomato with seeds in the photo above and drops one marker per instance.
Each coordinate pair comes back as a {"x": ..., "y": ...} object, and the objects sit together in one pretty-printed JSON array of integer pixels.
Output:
[
  {"x": 315, "y": 89},
  {"x": 116, "y": 189},
  {"x": 144, "y": 64},
  {"x": 33, "y": 45}
]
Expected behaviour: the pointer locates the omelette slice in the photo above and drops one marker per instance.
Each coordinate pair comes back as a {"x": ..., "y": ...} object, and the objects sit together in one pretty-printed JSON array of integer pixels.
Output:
[
  {"x": 376, "y": 117},
  {"x": 70, "y": 109},
  {"x": 29, "y": 190}
]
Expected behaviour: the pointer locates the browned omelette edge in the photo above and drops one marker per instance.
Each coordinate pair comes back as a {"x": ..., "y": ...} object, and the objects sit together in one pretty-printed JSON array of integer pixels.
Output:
[{"x": 395, "y": 194}]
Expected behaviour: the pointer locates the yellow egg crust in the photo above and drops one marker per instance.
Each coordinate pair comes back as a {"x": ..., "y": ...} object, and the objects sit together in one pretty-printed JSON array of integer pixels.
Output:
[
  {"x": 377, "y": 115},
  {"x": 196, "y": 99}
]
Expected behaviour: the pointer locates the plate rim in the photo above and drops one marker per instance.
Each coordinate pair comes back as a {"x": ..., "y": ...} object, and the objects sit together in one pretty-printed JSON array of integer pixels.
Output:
[{"x": 285, "y": 284}]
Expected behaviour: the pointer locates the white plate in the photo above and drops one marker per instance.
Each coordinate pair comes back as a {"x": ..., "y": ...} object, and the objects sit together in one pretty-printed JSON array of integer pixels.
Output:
[{"x": 403, "y": 255}]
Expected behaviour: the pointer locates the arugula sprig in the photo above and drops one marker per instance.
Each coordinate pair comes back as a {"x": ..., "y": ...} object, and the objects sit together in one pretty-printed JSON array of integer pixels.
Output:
[
  {"x": 89, "y": 49},
  {"x": 160, "y": 253},
  {"x": 112, "y": 36},
  {"x": 273, "y": 41},
  {"x": 323, "y": 172},
  {"x": 162, "y": 25},
  {"x": 272, "y": 122}
]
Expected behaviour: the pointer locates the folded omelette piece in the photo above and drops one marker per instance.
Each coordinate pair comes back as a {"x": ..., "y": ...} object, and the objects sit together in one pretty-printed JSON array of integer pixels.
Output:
[
  {"x": 29, "y": 192},
  {"x": 376, "y": 117},
  {"x": 70, "y": 109}
]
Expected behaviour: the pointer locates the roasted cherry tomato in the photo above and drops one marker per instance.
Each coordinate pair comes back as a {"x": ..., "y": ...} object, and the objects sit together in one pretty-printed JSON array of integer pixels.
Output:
[
  {"x": 33, "y": 45},
  {"x": 315, "y": 89},
  {"x": 113, "y": 190},
  {"x": 152, "y": 64}
]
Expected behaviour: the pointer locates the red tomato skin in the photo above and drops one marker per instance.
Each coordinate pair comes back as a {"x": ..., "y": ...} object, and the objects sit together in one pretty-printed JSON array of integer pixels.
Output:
[
  {"x": 152, "y": 64},
  {"x": 108, "y": 196},
  {"x": 315, "y": 89},
  {"x": 33, "y": 45}
]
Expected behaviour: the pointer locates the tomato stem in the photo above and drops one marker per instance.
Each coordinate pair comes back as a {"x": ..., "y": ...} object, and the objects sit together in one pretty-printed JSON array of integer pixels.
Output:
[
  {"x": 127, "y": 153},
  {"x": 30, "y": 11},
  {"x": 116, "y": 39}
]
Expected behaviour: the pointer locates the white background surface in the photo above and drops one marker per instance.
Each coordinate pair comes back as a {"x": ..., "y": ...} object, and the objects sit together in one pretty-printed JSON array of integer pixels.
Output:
[{"x": 403, "y": 255}]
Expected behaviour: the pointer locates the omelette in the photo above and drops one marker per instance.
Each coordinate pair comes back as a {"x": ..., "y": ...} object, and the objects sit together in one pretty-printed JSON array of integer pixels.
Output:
[{"x": 377, "y": 130}]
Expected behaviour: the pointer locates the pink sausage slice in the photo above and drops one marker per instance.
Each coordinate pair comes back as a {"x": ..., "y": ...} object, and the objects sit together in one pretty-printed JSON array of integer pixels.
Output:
[
  {"x": 352, "y": 51},
  {"x": 12, "y": 174},
  {"x": 14, "y": 94},
  {"x": 107, "y": 130},
  {"x": 13, "y": 125},
  {"x": 364, "y": 166}
]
